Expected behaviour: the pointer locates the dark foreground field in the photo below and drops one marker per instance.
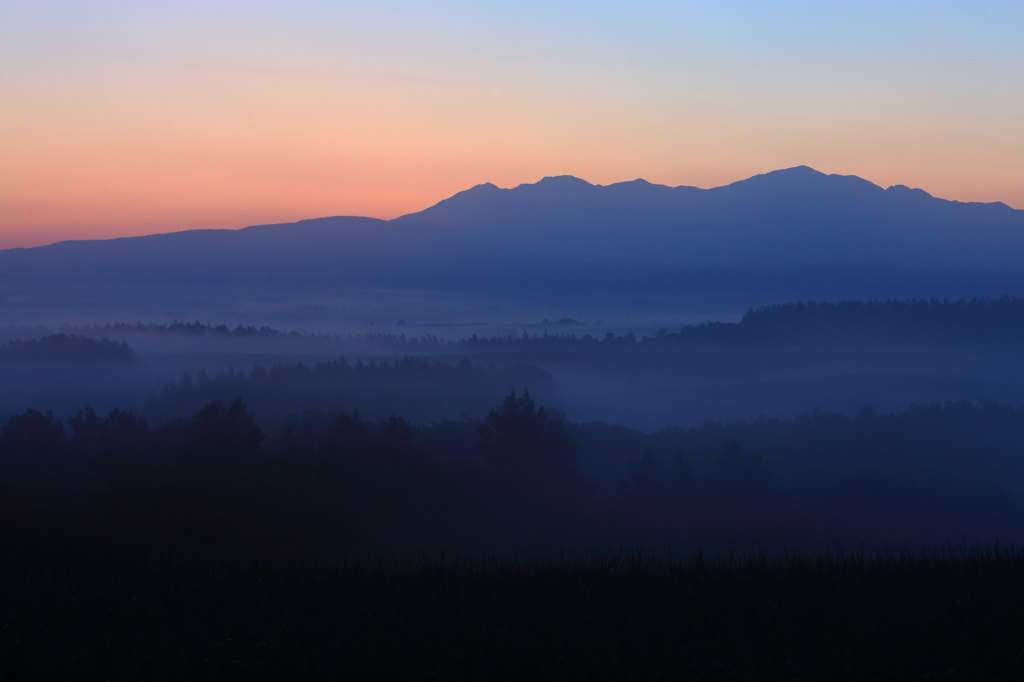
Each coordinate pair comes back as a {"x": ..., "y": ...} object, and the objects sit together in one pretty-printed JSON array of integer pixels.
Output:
[{"x": 616, "y": 617}]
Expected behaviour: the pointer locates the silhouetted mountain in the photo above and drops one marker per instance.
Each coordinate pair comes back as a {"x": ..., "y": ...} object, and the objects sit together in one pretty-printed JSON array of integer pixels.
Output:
[
  {"x": 338, "y": 249},
  {"x": 795, "y": 217},
  {"x": 785, "y": 235}
]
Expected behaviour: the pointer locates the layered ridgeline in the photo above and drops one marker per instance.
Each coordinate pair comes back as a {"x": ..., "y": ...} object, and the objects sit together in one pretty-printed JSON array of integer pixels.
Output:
[
  {"x": 796, "y": 217},
  {"x": 789, "y": 218},
  {"x": 786, "y": 235}
]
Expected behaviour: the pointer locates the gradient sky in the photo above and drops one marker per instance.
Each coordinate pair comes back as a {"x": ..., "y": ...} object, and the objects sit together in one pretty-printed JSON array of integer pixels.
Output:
[{"x": 122, "y": 118}]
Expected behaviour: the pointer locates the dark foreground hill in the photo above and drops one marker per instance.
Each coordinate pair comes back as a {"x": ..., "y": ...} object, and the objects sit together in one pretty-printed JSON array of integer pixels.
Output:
[
  {"x": 521, "y": 480},
  {"x": 79, "y": 600},
  {"x": 600, "y": 618}
]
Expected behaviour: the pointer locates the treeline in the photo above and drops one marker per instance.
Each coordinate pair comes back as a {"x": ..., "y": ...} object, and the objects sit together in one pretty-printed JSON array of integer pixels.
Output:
[
  {"x": 419, "y": 389},
  {"x": 950, "y": 470},
  {"x": 215, "y": 480},
  {"x": 65, "y": 348},
  {"x": 938, "y": 446},
  {"x": 845, "y": 323},
  {"x": 195, "y": 328},
  {"x": 919, "y": 322},
  {"x": 521, "y": 479}
]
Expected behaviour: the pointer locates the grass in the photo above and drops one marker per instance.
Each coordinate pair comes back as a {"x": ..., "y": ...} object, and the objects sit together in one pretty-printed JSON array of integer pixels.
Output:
[{"x": 604, "y": 617}]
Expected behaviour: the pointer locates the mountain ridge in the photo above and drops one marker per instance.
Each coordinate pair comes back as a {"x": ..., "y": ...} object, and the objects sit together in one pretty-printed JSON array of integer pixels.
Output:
[
  {"x": 798, "y": 216},
  {"x": 790, "y": 219},
  {"x": 489, "y": 189}
]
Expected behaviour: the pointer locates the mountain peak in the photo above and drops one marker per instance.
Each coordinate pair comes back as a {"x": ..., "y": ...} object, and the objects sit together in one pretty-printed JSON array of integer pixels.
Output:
[
  {"x": 801, "y": 171},
  {"x": 796, "y": 217},
  {"x": 907, "y": 191},
  {"x": 794, "y": 174},
  {"x": 799, "y": 180},
  {"x": 562, "y": 179},
  {"x": 560, "y": 182}
]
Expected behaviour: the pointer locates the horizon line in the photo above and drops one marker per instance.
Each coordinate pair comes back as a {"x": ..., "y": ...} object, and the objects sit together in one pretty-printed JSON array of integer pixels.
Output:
[{"x": 507, "y": 189}]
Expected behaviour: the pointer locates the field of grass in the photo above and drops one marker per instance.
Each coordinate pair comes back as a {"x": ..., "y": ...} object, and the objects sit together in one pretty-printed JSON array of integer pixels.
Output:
[{"x": 616, "y": 617}]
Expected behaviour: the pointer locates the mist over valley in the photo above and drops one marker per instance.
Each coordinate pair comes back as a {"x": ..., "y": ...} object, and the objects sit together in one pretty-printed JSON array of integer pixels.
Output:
[
  {"x": 480, "y": 341},
  {"x": 797, "y": 362}
]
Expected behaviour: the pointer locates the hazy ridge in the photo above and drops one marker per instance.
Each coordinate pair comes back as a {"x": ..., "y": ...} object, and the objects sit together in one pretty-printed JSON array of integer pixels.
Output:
[{"x": 796, "y": 218}]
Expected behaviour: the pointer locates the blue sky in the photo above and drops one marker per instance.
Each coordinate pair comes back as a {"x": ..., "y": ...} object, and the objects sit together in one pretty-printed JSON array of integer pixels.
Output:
[{"x": 123, "y": 118}]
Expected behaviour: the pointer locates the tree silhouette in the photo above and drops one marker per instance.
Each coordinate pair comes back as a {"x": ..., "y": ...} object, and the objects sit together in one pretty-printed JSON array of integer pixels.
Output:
[
  {"x": 647, "y": 475},
  {"x": 681, "y": 473},
  {"x": 33, "y": 434},
  {"x": 734, "y": 469},
  {"x": 218, "y": 451},
  {"x": 521, "y": 443},
  {"x": 228, "y": 435}
]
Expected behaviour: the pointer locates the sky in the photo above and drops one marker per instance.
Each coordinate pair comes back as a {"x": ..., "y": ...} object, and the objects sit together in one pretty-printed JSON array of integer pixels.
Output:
[{"x": 124, "y": 118}]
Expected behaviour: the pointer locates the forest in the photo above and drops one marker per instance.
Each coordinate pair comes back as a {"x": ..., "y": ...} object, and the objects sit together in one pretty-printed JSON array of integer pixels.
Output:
[
  {"x": 522, "y": 479},
  {"x": 243, "y": 502},
  {"x": 64, "y": 348},
  {"x": 929, "y": 322},
  {"x": 511, "y": 341},
  {"x": 418, "y": 388}
]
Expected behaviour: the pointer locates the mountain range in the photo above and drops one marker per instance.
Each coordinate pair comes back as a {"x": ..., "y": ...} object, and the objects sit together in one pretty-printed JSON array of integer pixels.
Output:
[
  {"x": 567, "y": 232},
  {"x": 794, "y": 217}
]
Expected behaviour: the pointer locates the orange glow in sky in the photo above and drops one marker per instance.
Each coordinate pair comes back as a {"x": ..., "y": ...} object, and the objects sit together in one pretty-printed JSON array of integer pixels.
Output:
[{"x": 119, "y": 120}]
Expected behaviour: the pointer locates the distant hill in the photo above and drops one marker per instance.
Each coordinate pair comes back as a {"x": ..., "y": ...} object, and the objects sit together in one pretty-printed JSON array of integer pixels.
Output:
[
  {"x": 336, "y": 249},
  {"x": 564, "y": 234},
  {"x": 794, "y": 217},
  {"x": 62, "y": 348}
]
